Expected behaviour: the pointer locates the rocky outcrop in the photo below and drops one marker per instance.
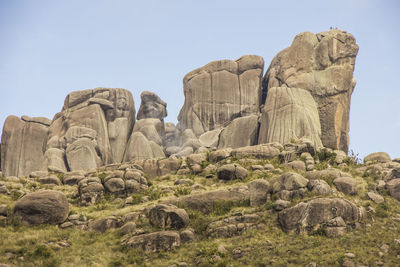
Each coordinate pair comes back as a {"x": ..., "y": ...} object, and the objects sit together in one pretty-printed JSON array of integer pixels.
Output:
[
  {"x": 91, "y": 130},
  {"x": 23, "y": 144},
  {"x": 40, "y": 207},
  {"x": 320, "y": 212},
  {"x": 151, "y": 106},
  {"x": 289, "y": 114},
  {"x": 322, "y": 64},
  {"x": 221, "y": 91}
]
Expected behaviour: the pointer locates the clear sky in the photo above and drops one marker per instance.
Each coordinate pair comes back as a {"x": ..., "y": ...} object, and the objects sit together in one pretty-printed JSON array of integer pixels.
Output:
[{"x": 50, "y": 48}]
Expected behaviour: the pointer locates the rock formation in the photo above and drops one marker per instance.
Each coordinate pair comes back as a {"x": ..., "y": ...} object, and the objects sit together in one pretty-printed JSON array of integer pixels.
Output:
[
  {"x": 23, "y": 144},
  {"x": 303, "y": 99},
  {"x": 91, "y": 130},
  {"x": 322, "y": 64},
  {"x": 151, "y": 106},
  {"x": 221, "y": 91}
]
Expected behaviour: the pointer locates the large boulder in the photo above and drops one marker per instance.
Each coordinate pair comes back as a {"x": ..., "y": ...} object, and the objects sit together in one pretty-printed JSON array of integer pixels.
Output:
[
  {"x": 289, "y": 114},
  {"x": 23, "y": 145},
  {"x": 46, "y": 206},
  {"x": 323, "y": 64},
  {"x": 220, "y": 91},
  {"x": 151, "y": 106},
  {"x": 168, "y": 217},
  {"x": 381, "y": 157},
  {"x": 346, "y": 185},
  {"x": 259, "y": 190},
  {"x": 319, "y": 212},
  {"x": 240, "y": 132},
  {"x": 231, "y": 172}
]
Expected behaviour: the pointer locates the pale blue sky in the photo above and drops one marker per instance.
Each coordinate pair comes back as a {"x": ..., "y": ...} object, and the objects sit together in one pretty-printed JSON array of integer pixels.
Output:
[{"x": 50, "y": 48}]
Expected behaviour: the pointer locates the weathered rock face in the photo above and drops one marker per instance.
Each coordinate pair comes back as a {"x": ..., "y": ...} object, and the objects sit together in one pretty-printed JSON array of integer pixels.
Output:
[
  {"x": 23, "y": 144},
  {"x": 240, "y": 132},
  {"x": 323, "y": 64},
  {"x": 221, "y": 91},
  {"x": 46, "y": 206},
  {"x": 92, "y": 129},
  {"x": 289, "y": 114},
  {"x": 151, "y": 106}
]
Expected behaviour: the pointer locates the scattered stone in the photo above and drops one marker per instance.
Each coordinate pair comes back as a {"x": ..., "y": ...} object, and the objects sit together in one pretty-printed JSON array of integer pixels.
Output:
[{"x": 375, "y": 197}]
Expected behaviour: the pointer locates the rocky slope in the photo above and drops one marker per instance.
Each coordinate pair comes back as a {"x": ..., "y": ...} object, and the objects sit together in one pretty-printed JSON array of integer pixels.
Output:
[{"x": 255, "y": 173}]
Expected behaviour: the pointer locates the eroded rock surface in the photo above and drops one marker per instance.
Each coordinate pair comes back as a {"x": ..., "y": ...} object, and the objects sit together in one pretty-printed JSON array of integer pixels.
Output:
[
  {"x": 289, "y": 114},
  {"x": 23, "y": 145},
  {"x": 221, "y": 91}
]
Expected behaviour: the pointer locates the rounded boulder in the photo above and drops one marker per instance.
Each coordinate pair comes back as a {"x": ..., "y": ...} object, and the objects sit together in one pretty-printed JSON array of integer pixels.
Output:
[{"x": 40, "y": 207}]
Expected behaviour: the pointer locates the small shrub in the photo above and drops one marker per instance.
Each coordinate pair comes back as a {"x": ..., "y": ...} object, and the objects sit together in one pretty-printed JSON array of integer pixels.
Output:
[
  {"x": 352, "y": 159},
  {"x": 325, "y": 155},
  {"x": 181, "y": 190},
  {"x": 382, "y": 210},
  {"x": 60, "y": 176},
  {"x": 102, "y": 176},
  {"x": 204, "y": 164},
  {"x": 320, "y": 231},
  {"x": 199, "y": 221}
]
